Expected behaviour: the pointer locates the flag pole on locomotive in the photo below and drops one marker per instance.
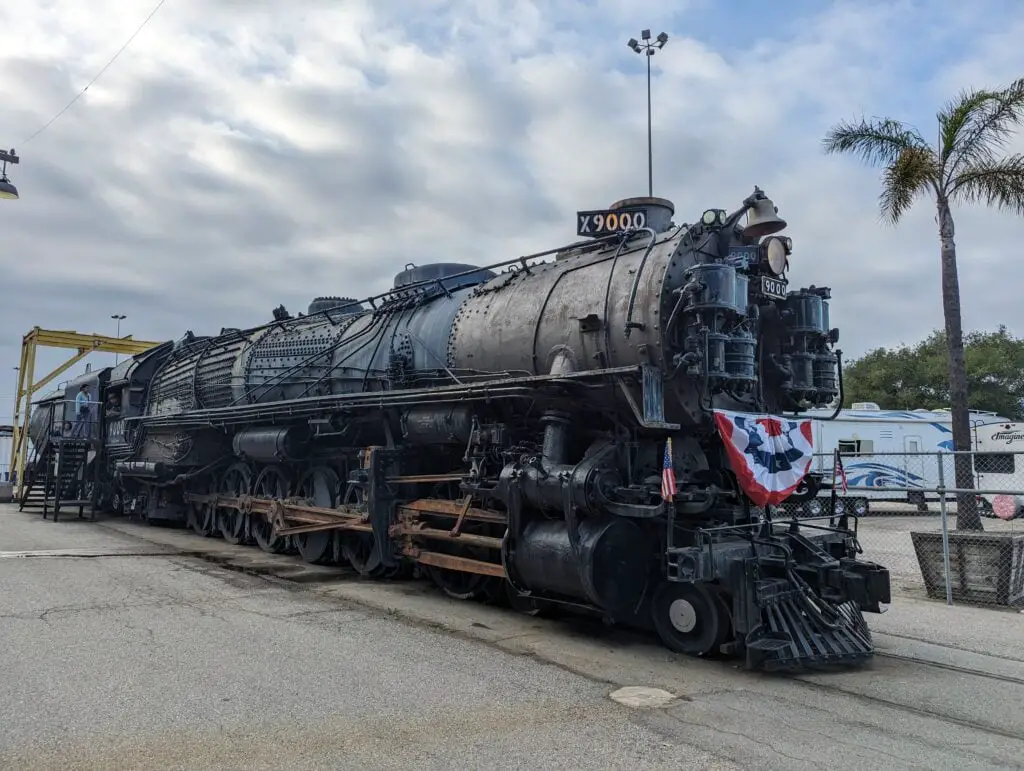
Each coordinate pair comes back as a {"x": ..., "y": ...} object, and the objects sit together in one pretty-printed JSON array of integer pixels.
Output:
[
  {"x": 668, "y": 491},
  {"x": 668, "y": 475},
  {"x": 838, "y": 474}
]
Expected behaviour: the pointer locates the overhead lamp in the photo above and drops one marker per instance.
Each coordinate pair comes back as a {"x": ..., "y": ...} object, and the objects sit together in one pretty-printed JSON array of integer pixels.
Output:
[{"x": 7, "y": 188}]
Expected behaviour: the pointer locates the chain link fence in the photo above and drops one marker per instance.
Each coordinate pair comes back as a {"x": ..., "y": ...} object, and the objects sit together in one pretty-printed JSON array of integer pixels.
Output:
[{"x": 947, "y": 533}]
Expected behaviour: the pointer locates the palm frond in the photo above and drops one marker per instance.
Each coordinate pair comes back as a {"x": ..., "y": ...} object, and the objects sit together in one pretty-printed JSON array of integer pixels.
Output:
[
  {"x": 989, "y": 120},
  {"x": 954, "y": 116},
  {"x": 876, "y": 142},
  {"x": 998, "y": 183},
  {"x": 914, "y": 171}
]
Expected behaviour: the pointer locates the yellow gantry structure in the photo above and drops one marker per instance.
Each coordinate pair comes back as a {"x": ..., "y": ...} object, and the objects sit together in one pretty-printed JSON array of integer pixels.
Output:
[{"x": 28, "y": 386}]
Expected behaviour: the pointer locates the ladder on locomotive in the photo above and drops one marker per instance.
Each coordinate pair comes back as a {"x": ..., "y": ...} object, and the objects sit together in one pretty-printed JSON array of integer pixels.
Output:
[{"x": 59, "y": 479}]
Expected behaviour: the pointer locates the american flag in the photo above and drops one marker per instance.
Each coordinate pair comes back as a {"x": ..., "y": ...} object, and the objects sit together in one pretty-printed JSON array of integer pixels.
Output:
[
  {"x": 668, "y": 474},
  {"x": 839, "y": 472}
]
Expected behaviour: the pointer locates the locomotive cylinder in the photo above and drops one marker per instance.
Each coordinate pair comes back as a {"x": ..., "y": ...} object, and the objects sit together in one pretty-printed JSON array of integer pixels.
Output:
[{"x": 608, "y": 567}]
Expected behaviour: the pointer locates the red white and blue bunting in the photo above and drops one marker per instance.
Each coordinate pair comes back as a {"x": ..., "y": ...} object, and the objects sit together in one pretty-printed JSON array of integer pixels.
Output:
[{"x": 769, "y": 455}]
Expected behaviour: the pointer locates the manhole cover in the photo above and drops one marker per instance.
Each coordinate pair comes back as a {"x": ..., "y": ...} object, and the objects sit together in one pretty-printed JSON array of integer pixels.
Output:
[{"x": 643, "y": 697}]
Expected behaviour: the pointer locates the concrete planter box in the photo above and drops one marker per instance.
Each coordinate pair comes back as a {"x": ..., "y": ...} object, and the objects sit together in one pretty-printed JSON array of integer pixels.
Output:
[{"x": 984, "y": 568}]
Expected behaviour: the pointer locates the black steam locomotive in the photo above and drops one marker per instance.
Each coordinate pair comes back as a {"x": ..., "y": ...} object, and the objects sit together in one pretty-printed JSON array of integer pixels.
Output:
[{"x": 545, "y": 431}]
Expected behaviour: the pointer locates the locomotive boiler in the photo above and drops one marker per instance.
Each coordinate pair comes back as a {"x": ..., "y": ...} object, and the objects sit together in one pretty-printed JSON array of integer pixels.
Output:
[{"x": 605, "y": 427}]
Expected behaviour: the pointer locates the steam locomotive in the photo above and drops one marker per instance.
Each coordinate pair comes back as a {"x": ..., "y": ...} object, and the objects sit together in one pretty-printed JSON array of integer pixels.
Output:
[{"x": 604, "y": 428}]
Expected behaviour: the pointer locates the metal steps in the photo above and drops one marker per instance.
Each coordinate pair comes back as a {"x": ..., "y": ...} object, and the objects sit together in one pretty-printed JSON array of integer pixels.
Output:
[{"x": 59, "y": 479}]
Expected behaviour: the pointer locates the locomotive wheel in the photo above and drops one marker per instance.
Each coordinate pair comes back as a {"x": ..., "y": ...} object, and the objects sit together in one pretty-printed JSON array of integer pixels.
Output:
[
  {"x": 272, "y": 483},
  {"x": 461, "y": 585},
  {"x": 201, "y": 519},
  {"x": 231, "y": 523},
  {"x": 318, "y": 487},
  {"x": 689, "y": 618},
  {"x": 357, "y": 548}
]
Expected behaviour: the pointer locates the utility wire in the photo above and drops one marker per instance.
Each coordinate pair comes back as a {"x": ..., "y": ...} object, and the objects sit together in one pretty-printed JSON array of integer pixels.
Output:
[{"x": 98, "y": 74}]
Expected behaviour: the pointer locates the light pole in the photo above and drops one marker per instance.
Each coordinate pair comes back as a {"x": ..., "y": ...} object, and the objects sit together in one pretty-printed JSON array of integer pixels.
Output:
[
  {"x": 118, "y": 317},
  {"x": 648, "y": 49},
  {"x": 7, "y": 188}
]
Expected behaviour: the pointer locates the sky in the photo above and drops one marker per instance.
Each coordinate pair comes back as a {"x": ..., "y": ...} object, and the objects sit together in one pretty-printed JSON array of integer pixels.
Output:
[{"x": 241, "y": 154}]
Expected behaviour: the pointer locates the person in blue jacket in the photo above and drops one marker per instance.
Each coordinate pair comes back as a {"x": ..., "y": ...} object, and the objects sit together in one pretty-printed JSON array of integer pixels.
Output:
[{"x": 81, "y": 429}]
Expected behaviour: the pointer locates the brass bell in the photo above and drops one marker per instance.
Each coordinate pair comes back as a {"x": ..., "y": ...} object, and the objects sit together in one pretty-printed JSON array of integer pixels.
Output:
[{"x": 762, "y": 219}]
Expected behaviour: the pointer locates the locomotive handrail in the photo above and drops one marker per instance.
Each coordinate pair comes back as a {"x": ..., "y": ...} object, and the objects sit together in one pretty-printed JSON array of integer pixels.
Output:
[
  {"x": 624, "y": 238},
  {"x": 636, "y": 279},
  {"x": 362, "y": 398}
]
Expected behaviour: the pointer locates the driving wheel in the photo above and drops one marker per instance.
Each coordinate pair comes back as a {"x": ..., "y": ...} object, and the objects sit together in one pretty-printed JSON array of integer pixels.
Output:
[
  {"x": 230, "y": 522},
  {"x": 318, "y": 487},
  {"x": 272, "y": 483}
]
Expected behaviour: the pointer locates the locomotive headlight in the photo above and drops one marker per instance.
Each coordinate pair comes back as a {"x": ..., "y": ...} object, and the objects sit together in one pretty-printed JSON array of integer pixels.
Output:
[{"x": 776, "y": 252}]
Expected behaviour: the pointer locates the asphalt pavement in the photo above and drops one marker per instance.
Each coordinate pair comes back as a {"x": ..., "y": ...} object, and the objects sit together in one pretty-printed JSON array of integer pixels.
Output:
[{"x": 127, "y": 646}]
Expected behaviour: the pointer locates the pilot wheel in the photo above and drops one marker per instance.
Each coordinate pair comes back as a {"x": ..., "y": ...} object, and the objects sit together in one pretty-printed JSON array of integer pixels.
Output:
[{"x": 690, "y": 617}]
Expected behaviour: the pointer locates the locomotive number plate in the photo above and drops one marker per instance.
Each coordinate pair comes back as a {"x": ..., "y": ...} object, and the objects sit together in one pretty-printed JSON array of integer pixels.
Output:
[
  {"x": 604, "y": 222},
  {"x": 773, "y": 287}
]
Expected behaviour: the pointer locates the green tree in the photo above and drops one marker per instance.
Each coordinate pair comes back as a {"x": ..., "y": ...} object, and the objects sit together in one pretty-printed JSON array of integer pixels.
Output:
[
  {"x": 914, "y": 377},
  {"x": 965, "y": 166}
]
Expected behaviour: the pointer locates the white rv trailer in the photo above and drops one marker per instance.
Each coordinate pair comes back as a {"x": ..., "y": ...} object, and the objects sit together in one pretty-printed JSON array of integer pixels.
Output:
[
  {"x": 865, "y": 432},
  {"x": 999, "y": 465}
]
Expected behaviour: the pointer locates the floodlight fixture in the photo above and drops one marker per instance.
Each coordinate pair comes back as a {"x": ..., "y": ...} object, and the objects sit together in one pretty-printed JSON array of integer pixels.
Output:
[
  {"x": 7, "y": 188},
  {"x": 649, "y": 49}
]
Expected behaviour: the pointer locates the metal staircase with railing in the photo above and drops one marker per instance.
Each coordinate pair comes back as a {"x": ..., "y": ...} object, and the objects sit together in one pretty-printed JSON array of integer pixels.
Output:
[{"x": 60, "y": 479}]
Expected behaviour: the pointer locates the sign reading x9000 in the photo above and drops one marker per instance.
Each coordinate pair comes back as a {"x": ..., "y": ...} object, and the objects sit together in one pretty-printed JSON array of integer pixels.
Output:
[{"x": 605, "y": 222}]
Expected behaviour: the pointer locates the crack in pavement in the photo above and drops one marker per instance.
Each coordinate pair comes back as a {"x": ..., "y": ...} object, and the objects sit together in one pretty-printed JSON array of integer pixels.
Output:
[
  {"x": 114, "y": 606},
  {"x": 89, "y": 553},
  {"x": 204, "y": 608}
]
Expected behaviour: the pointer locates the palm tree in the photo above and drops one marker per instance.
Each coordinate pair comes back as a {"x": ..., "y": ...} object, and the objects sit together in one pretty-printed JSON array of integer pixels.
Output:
[{"x": 965, "y": 167}]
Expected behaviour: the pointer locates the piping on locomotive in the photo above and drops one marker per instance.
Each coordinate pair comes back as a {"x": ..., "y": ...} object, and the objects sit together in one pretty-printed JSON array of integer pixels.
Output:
[{"x": 606, "y": 431}]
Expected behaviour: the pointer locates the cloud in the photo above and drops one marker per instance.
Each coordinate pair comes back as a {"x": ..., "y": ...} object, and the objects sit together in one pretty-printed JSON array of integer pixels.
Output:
[{"x": 243, "y": 154}]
